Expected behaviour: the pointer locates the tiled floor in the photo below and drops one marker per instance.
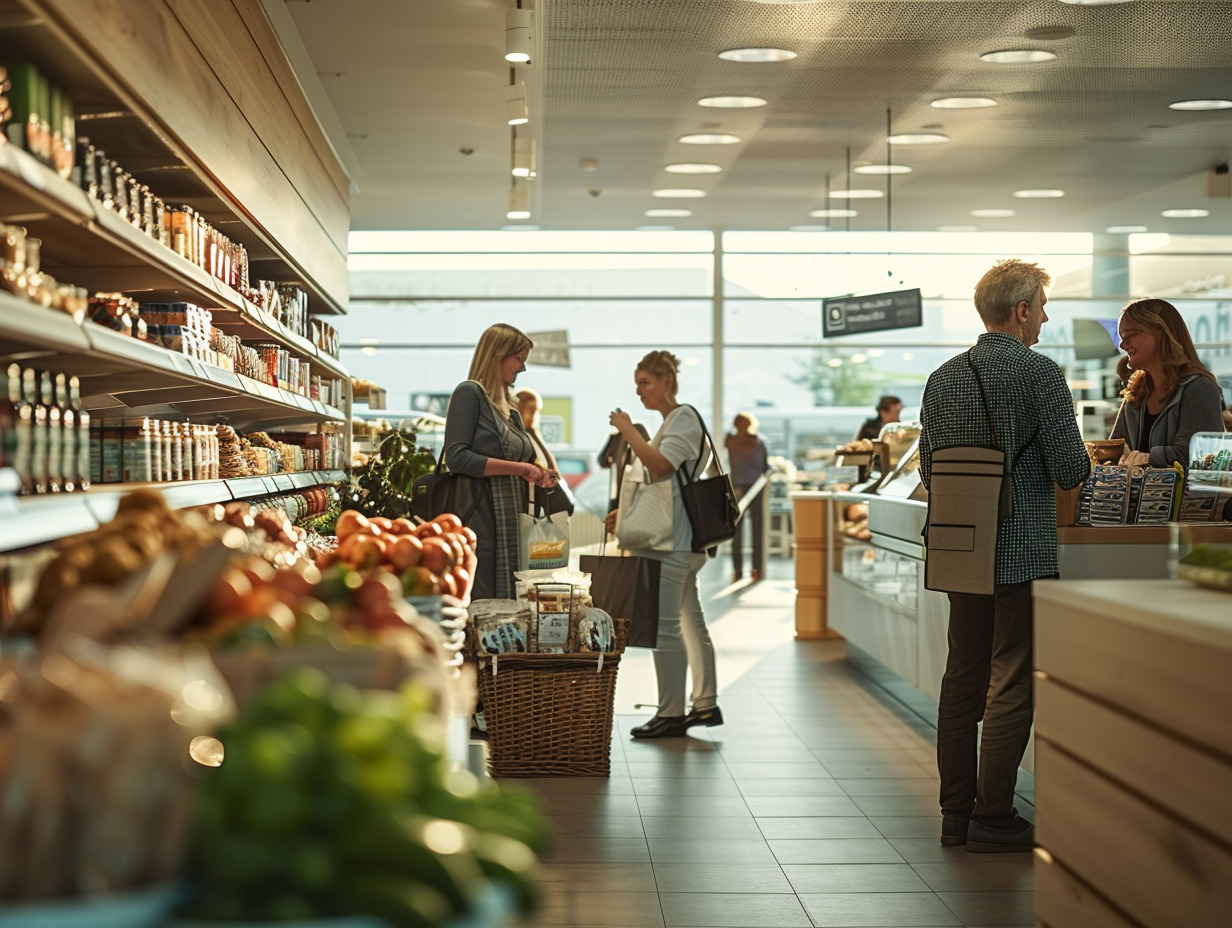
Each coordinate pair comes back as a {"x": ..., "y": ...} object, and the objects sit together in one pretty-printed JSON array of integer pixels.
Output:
[{"x": 815, "y": 805}]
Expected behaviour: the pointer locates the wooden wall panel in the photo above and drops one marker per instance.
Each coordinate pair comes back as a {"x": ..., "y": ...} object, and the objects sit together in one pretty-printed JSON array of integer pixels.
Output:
[
  {"x": 1063, "y": 901},
  {"x": 275, "y": 169}
]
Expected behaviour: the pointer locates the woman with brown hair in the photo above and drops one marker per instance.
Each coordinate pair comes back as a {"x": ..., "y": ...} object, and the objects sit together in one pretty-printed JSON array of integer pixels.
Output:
[
  {"x": 1169, "y": 395},
  {"x": 484, "y": 437}
]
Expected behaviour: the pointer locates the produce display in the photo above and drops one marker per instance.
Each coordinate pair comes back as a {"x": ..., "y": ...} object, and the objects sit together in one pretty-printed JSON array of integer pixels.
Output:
[
  {"x": 382, "y": 486},
  {"x": 328, "y": 801},
  {"x": 1208, "y": 565}
]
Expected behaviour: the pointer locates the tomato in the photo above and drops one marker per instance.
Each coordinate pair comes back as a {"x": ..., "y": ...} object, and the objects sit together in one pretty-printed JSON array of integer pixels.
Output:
[{"x": 448, "y": 521}]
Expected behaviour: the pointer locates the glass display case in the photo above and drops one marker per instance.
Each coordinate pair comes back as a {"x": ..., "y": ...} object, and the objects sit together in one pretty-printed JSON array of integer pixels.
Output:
[{"x": 876, "y": 570}]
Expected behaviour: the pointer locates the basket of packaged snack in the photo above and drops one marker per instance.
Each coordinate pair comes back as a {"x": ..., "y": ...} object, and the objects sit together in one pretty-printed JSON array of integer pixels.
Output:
[{"x": 546, "y": 667}]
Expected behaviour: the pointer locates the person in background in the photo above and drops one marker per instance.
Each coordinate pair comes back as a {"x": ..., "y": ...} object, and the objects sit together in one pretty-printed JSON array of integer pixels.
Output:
[
  {"x": 1168, "y": 393},
  {"x": 888, "y": 409},
  {"x": 684, "y": 641},
  {"x": 988, "y": 668},
  {"x": 484, "y": 437},
  {"x": 530, "y": 408},
  {"x": 748, "y": 459}
]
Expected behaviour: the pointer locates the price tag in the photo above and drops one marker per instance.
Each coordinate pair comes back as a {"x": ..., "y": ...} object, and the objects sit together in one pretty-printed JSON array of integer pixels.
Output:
[{"x": 284, "y": 482}]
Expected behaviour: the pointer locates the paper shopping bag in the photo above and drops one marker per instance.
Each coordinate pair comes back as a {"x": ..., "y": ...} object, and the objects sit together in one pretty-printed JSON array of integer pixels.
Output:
[{"x": 627, "y": 587}]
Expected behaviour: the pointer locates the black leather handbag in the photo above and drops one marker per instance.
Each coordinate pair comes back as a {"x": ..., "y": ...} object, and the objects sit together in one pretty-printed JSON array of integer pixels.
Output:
[
  {"x": 709, "y": 502},
  {"x": 441, "y": 491}
]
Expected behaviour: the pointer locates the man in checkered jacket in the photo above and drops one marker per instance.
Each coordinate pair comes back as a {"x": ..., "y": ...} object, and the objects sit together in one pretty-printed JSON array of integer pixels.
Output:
[{"x": 988, "y": 670}]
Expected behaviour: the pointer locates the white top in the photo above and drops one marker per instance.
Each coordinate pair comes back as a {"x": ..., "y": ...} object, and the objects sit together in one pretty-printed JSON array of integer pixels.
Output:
[{"x": 678, "y": 440}]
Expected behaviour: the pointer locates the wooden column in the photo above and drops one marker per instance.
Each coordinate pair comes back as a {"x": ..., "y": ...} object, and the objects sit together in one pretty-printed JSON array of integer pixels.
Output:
[{"x": 812, "y": 515}]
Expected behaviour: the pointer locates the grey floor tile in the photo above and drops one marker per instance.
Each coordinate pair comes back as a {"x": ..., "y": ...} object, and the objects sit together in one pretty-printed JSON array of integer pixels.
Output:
[
  {"x": 818, "y": 786},
  {"x": 882, "y": 910},
  {"x": 676, "y": 786},
  {"x": 992, "y": 908},
  {"x": 900, "y": 786},
  {"x": 898, "y": 805},
  {"x": 854, "y": 878},
  {"x": 686, "y": 804},
  {"x": 831, "y": 826},
  {"x": 802, "y": 806},
  {"x": 975, "y": 873},
  {"x": 702, "y": 827},
  {"x": 572, "y": 848},
  {"x": 577, "y": 905},
  {"x": 710, "y": 851},
  {"x": 908, "y": 826},
  {"x": 720, "y": 878},
  {"x": 733, "y": 910},
  {"x": 888, "y": 770},
  {"x": 770, "y": 770},
  {"x": 596, "y": 826},
  {"x": 929, "y": 850},
  {"x": 752, "y": 752},
  {"x": 632, "y": 878},
  {"x": 835, "y": 851},
  {"x": 660, "y": 770}
]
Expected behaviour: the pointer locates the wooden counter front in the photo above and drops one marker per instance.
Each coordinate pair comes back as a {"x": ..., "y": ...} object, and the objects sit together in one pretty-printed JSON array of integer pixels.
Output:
[{"x": 813, "y": 519}]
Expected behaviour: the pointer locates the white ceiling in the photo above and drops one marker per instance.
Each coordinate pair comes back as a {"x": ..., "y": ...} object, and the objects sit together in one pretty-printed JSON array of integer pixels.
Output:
[{"x": 402, "y": 86}]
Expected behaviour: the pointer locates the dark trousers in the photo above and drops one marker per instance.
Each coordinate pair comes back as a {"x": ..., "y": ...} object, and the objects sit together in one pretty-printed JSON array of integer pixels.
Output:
[
  {"x": 987, "y": 677},
  {"x": 757, "y": 514}
]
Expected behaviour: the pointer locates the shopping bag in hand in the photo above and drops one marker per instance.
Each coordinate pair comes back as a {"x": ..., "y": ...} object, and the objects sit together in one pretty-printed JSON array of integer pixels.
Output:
[{"x": 627, "y": 587}]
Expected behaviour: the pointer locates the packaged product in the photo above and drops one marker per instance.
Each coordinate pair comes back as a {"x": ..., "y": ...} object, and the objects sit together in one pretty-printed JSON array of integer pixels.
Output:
[
  {"x": 596, "y": 631},
  {"x": 500, "y": 626}
]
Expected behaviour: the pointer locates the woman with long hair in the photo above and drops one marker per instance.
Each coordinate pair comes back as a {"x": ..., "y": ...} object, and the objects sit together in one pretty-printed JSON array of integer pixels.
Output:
[
  {"x": 484, "y": 437},
  {"x": 1169, "y": 394},
  {"x": 684, "y": 643}
]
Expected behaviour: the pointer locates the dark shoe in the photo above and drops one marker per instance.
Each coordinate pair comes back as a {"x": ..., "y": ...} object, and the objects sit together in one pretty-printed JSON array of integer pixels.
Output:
[
  {"x": 756, "y": 575},
  {"x": 953, "y": 831},
  {"x": 737, "y": 576},
  {"x": 985, "y": 839},
  {"x": 708, "y": 717},
  {"x": 662, "y": 726}
]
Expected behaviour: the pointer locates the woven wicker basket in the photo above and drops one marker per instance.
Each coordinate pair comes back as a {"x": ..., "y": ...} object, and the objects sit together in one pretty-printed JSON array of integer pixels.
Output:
[{"x": 550, "y": 715}]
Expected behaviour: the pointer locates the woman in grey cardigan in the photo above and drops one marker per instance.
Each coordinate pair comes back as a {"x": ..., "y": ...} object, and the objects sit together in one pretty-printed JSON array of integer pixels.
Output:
[
  {"x": 484, "y": 437},
  {"x": 1169, "y": 395}
]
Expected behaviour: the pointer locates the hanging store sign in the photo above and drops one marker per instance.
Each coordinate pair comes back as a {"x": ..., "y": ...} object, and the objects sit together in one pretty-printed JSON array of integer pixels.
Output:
[
  {"x": 850, "y": 315},
  {"x": 551, "y": 349}
]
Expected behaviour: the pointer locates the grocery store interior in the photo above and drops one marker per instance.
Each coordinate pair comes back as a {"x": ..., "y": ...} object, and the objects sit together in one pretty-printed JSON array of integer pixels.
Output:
[{"x": 248, "y": 249}]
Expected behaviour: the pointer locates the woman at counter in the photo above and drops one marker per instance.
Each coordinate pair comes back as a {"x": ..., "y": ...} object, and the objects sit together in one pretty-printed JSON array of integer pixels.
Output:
[
  {"x": 1169, "y": 395},
  {"x": 484, "y": 437}
]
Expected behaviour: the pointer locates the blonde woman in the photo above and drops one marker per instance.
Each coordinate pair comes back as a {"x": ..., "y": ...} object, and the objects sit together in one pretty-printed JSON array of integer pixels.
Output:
[
  {"x": 484, "y": 437},
  {"x": 1169, "y": 394},
  {"x": 684, "y": 643}
]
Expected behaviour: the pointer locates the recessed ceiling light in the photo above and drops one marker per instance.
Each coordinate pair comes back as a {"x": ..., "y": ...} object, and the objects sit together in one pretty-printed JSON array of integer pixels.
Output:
[
  {"x": 963, "y": 103},
  {"x": 733, "y": 102},
  {"x": 1201, "y": 105},
  {"x": 882, "y": 169},
  {"x": 1017, "y": 56},
  {"x": 808, "y": 228},
  {"x": 692, "y": 167},
  {"x": 710, "y": 138},
  {"x": 856, "y": 194},
  {"x": 992, "y": 213},
  {"x": 833, "y": 213},
  {"x": 678, "y": 193},
  {"x": 667, "y": 213},
  {"x": 1125, "y": 230},
  {"x": 1039, "y": 194},
  {"x": 757, "y": 54},
  {"x": 1185, "y": 213},
  {"x": 917, "y": 138},
  {"x": 958, "y": 228},
  {"x": 654, "y": 228}
]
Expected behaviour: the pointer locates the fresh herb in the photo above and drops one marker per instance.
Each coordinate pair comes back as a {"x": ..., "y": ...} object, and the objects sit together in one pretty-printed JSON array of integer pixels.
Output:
[{"x": 383, "y": 486}]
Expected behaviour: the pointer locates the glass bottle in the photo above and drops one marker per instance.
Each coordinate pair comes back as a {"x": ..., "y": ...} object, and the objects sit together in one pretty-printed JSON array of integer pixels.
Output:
[
  {"x": 82, "y": 444},
  {"x": 55, "y": 435},
  {"x": 38, "y": 443},
  {"x": 68, "y": 436},
  {"x": 15, "y": 428}
]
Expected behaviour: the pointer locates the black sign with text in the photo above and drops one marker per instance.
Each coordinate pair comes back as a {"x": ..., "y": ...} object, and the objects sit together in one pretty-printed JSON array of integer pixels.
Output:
[{"x": 849, "y": 315}]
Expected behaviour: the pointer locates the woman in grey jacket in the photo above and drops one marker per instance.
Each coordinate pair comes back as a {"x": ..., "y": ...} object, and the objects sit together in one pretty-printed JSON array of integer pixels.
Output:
[
  {"x": 1169, "y": 395},
  {"x": 484, "y": 437}
]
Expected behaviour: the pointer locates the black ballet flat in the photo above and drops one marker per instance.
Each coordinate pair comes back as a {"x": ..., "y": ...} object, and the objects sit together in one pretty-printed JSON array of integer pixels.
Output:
[
  {"x": 661, "y": 726},
  {"x": 711, "y": 717}
]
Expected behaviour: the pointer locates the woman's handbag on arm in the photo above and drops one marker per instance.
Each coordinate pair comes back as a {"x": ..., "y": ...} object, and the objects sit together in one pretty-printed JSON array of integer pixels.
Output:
[
  {"x": 710, "y": 502},
  {"x": 441, "y": 491},
  {"x": 644, "y": 518}
]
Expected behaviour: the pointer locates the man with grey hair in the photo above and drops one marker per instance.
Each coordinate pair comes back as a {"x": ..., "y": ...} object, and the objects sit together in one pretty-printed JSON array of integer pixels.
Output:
[{"x": 988, "y": 670}]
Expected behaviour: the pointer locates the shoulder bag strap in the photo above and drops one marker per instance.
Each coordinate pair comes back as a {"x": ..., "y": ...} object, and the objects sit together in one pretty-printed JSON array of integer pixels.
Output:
[
  {"x": 984, "y": 398},
  {"x": 706, "y": 440}
]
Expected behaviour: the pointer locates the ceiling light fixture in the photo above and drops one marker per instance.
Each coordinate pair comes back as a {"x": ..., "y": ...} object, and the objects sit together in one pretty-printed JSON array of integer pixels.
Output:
[
  {"x": 693, "y": 167},
  {"x": 992, "y": 213},
  {"x": 1039, "y": 194},
  {"x": 757, "y": 54},
  {"x": 667, "y": 213},
  {"x": 882, "y": 169},
  {"x": 1185, "y": 213},
  {"x": 519, "y": 41},
  {"x": 958, "y": 228},
  {"x": 1200, "y": 105},
  {"x": 1017, "y": 56},
  {"x": 917, "y": 138},
  {"x": 833, "y": 213},
  {"x": 857, "y": 194},
  {"x": 732, "y": 102},
  {"x": 524, "y": 157},
  {"x": 1125, "y": 230},
  {"x": 710, "y": 138},
  {"x": 678, "y": 193},
  {"x": 516, "y": 111},
  {"x": 519, "y": 203},
  {"x": 963, "y": 103}
]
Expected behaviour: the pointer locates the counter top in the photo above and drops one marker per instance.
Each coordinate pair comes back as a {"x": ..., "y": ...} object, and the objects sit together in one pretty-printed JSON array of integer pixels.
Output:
[
  {"x": 1216, "y": 532},
  {"x": 1183, "y": 610}
]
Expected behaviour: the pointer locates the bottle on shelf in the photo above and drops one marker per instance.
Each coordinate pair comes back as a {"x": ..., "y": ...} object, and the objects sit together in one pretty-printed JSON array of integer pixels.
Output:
[
  {"x": 69, "y": 477},
  {"x": 17, "y": 429},
  {"x": 82, "y": 444},
  {"x": 55, "y": 435},
  {"x": 38, "y": 433}
]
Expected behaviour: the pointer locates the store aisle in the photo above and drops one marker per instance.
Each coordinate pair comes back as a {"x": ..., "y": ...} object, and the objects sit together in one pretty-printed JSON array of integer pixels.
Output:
[{"x": 815, "y": 805}]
